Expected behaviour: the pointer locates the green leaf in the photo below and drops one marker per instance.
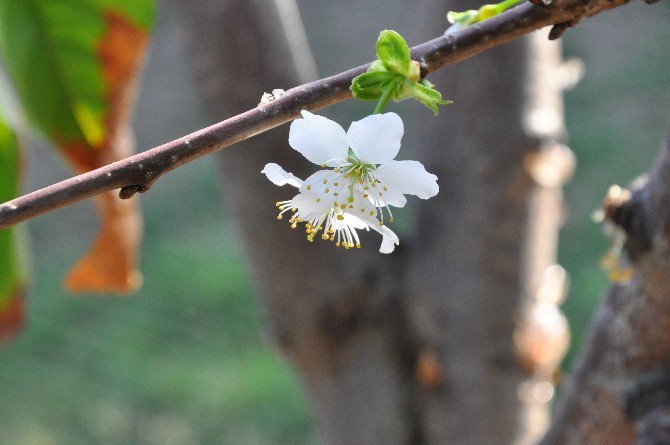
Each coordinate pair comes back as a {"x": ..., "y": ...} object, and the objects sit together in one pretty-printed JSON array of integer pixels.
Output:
[
  {"x": 369, "y": 86},
  {"x": 51, "y": 50},
  {"x": 465, "y": 18},
  {"x": 429, "y": 97},
  {"x": 11, "y": 275},
  {"x": 74, "y": 64},
  {"x": 393, "y": 52}
]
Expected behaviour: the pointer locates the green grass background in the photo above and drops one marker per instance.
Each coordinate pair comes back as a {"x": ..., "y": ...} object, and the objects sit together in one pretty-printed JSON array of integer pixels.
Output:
[{"x": 185, "y": 361}]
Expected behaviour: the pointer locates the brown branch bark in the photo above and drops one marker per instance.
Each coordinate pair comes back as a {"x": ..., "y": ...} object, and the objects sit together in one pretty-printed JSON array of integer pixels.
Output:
[
  {"x": 137, "y": 173},
  {"x": 620, "y": 389}
]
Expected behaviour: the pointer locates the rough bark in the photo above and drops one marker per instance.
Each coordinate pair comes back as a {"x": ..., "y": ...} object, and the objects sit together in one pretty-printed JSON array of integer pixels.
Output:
[
  {"x": 418, "y": 346},
  {"x": 619, "y": 391}
]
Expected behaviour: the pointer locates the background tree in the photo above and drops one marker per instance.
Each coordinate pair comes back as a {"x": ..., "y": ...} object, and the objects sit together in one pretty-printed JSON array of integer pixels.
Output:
[{"x": 368, "y": 341}]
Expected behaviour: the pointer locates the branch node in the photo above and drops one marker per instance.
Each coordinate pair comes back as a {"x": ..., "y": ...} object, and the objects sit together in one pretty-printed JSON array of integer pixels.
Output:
[
  {"x": 129, "y": 191},
  {"x": 545, "y": 3},
  {"x": 559, "y": 29}
]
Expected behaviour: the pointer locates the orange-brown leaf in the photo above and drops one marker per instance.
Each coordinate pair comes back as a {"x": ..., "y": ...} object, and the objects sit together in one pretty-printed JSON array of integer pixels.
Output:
[
  {"x": 11, "y": 315},
  {"x": 111, "y": 264}
]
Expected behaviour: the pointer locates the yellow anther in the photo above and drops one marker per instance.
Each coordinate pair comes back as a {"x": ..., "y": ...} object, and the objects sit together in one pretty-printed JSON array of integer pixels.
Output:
[
  {"x": 318, "y": 199},
  {"x": 351, "y": 206},
  {"x": 331, "y": 230},
  {"x": 280, "y": 216},
  {"x": 360, "y": 180},
  {"x": 336, "y": 184},
  {"x": 374, "y": 184},
  {"x": 358, "y": 245},
  {"x": 325, "y": 181},
  {"x": 324, "y": 236},
  {"x": 391, "y": 219},
  {"x": 362, "y": 210},
  {"x": 340, "y": 217},
  {"x": 346, "y": 175},
  {"x": 294, "y": 210},
  {"x": 294, "y": 225},
  {"x": 332, "y": 237},
  {"x": 336, "y": 204},
  {"x": 327, "y": 190},
  {"x": 381, "y": 223},
  {"x": 336, "y": 169},
  {"x": 309, "y": 187},
  {"x": 277, "y": 204},
  {"x": 386, "y": 189},
  {"x": 366, "y": 195},
  {"x": 324, "y": 165},
  {"x": 351, "y": 199},
  {"x": 337, "y": 244},
  {"x": 381, "y": 194},
  {"x": 343, "y": 206},
  {"x": 366, "y": 188},
  {"x": 335, "y": 194},
  {"x": 372, "y": 213}
]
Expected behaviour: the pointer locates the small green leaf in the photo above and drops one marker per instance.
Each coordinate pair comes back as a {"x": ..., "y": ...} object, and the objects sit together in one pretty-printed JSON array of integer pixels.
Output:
[
  {"x": 377, "y": 65},
  {"x": 369, "y": 86},
  {"x": 11, "y": 274},
  {"x": 465, "y": 18},
  {"x": 393, "y": 52},
  {"x": 429, "y": 97}
]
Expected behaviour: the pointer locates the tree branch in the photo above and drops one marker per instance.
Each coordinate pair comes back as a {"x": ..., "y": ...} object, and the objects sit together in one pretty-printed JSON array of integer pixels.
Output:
[
  {"x": 137, "y": 173},
  {"x": 619, "y": 391}
]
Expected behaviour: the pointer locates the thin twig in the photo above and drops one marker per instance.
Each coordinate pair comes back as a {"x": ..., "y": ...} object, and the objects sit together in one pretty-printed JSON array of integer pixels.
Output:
[{"x": 137, "y": 173}]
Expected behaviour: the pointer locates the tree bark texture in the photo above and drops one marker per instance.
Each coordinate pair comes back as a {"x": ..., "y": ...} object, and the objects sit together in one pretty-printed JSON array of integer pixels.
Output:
[
  {"x": 620, "y": 388},
  {"x": 418, "y": 346}
]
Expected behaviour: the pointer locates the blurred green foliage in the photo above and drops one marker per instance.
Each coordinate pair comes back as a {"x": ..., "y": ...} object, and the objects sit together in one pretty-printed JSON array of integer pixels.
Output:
[
  {"x": 11, "y": 274},
  {"x": 617, "y": 119},
  {"x": 50, "y": 49},
  {"x": 185, "y": 361}
]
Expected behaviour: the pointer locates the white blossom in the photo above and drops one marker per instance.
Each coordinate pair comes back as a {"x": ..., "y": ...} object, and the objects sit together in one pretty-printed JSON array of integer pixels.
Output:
[{"x": 359, "y": 182}]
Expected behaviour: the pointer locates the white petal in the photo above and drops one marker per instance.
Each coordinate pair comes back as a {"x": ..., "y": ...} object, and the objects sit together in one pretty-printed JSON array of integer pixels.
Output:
[
  {"x": 318, "y": 139},
  {"x": 279, "y": 176},
  {"x": 393, "y": 198},
  {"x": 376, "y": 138},
  {"x": 408, "y": 177},
  {"x": 308, "y": 206},
  {"x": 355, "y": 222},
  {"x": 316, "y": 185},
  {"x": 363, "y": 209},
  {"x": 389, "y": 240}
]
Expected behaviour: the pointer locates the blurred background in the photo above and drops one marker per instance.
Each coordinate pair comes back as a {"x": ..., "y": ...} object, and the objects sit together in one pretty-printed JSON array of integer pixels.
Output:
[{"x": 186, "y": 359}]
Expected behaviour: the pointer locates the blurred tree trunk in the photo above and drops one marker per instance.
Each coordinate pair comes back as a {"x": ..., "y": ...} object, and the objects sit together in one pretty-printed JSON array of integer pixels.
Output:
[{"x": 418, "y": 346}]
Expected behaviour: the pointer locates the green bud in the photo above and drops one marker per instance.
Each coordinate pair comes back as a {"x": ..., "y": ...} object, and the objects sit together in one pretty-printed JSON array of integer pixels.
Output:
[
  {"x": 464, "y": 18},
  {"x": 369, "y": 86},
  {"x": 377, "y": 65},
  {"x": 393, "y": 52},
  {"x": 394, "y": 76}
]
